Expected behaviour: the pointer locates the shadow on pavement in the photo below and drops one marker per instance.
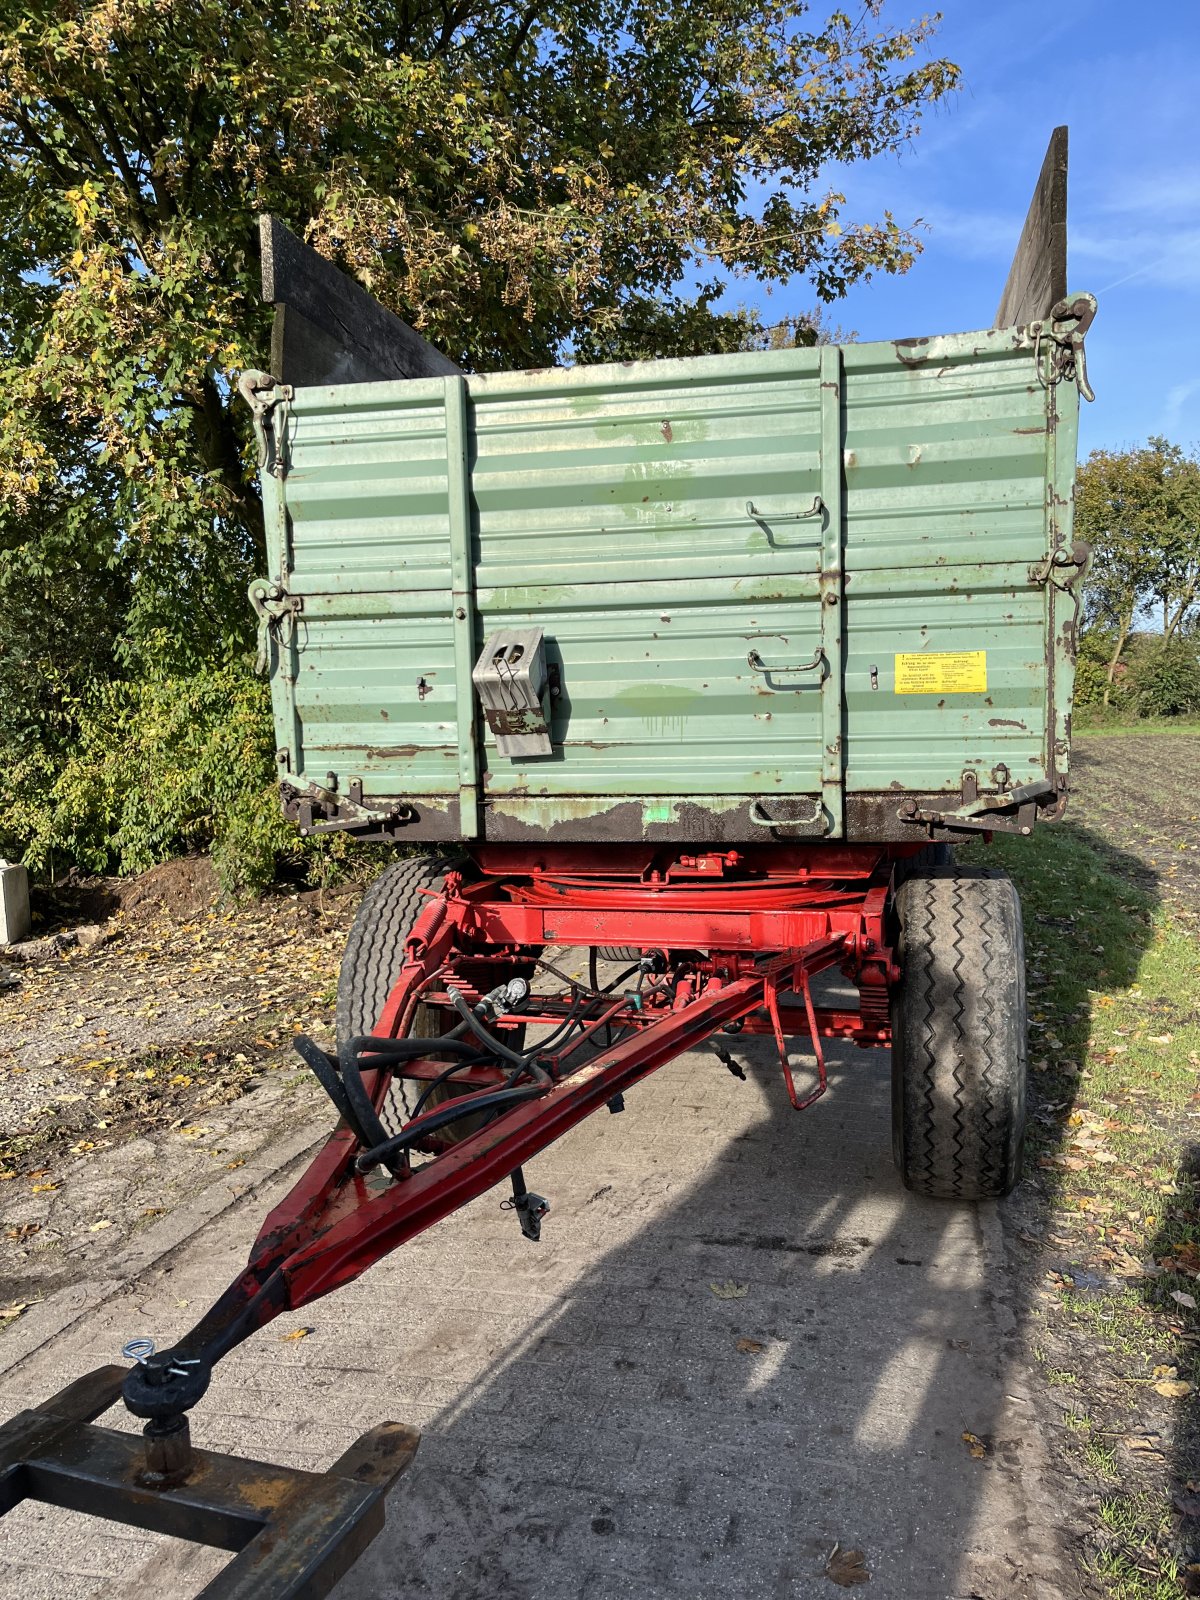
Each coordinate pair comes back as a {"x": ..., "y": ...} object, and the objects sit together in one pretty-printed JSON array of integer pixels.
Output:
[{"x": 779, "y": 1352}]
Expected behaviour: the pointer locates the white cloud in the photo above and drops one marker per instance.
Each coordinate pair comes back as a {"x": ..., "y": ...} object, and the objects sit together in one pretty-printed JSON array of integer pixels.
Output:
[
  {"x": 1177, "y": 398},
  {"x": 1138, "y": 255}
]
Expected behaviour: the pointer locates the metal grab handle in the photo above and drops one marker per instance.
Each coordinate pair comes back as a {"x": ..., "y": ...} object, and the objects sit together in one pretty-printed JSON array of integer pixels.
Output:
[
  {"x": 761, "y": 820},
  {"x": 757, "y": 664},
  {"x": 814, "y": 510}
]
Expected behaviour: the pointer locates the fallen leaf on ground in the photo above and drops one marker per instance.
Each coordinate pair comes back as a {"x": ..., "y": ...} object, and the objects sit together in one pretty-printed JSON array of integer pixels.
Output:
[
  {"x": 8, "y": 1312},
  {"x": 296, "y": 1333},
  {"x": 1128, "y": 1266},
  {"x": 1143, "y": 1446},
  {"x": 98, "y": 1227},
  {"x": 1173, "y": 1388},
  {"x": 1188, "y": 1300},
  {"x": 749, "y": 1347},
  {"x": 975, "y": 1445},
  {"x": 1186, "y": 1501},
  {"x": 847, "y": 1567},
  {"x": 730, "y": 1290}
]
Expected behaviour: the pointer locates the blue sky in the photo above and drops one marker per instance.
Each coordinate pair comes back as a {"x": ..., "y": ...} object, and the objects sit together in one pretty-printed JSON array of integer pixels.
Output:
[{"x": 1126, "y": 79}]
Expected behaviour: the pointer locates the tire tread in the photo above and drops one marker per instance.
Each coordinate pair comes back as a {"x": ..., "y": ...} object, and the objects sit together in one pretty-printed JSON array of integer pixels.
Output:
[
  {"x": 375, "y": 944},
  {"x": 959, "y": 1034}
]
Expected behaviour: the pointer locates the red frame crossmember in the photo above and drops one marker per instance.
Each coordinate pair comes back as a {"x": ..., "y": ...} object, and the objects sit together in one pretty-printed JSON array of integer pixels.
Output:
[{"x": 733, "y": 941}]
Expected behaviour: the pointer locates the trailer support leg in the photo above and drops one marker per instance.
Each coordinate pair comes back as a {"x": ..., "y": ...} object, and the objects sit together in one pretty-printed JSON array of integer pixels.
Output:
[{"x": 296, "y": 1532}]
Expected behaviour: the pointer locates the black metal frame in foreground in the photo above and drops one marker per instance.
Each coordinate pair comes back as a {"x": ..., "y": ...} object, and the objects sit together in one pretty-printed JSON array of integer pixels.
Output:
[{"x": 296, "y": 1532}]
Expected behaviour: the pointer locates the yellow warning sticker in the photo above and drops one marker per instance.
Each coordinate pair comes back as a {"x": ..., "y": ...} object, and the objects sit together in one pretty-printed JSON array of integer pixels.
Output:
[{"x": 942, "y": 672}]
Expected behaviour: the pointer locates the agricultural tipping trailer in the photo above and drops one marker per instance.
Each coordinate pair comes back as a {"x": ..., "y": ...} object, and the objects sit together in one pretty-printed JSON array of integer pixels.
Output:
[{"x": 702, "y": 666}]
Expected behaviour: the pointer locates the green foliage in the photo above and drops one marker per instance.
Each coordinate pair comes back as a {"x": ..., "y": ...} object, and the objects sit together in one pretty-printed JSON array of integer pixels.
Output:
[
  {"x": 1165, "y": 678},
  {"x": 1096, "y": 649},
  {"x": 1140, "y": 512},
  {"x": 159, "y": 767},
  {"x": 516, "y": 179}
]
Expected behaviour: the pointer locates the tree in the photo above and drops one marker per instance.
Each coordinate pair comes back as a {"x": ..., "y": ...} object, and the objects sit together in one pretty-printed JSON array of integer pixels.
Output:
[
  {"x": 1140, "y": 512},
  {"x": 519, "y": 178}
]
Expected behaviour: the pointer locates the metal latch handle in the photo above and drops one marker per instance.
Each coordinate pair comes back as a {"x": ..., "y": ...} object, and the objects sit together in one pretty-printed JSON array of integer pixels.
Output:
[
  {"x": 265, "y": 396},
  {"x": 814, "y": 510},
  {"x": 817, "y": 664},
  {"x": 276, "y": 611},
  {"x": 760, "y": 819}
]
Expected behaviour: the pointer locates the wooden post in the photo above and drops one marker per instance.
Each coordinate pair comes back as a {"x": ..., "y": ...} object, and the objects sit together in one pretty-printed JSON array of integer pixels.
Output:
[
  {"x": 1038, "y": 275},
  {"x": 328, "y": 329}
]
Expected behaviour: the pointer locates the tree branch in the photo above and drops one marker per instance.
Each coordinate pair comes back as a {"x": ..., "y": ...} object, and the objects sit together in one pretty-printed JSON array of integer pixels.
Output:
[{"x": 47, "y": 152}]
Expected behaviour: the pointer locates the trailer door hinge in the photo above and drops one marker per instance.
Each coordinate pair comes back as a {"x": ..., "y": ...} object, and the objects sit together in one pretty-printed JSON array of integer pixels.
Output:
[
  {"x": 1065, "y": 328},
  {"x": 268, "y": 401},
  {"x": 276, "y": 611},
  {"x": 1062, "y": 567}
]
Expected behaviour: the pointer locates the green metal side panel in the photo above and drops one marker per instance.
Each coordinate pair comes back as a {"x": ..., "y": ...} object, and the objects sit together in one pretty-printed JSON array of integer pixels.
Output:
[
  {"x": 369, "y": 492},
  {"x": 611, "y": 508},
  {"x": 727, "y": 556},
  {"x": 945, "y": 458}
]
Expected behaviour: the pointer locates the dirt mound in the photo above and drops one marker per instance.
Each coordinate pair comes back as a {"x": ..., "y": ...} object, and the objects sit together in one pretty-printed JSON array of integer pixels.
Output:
[{"x": 182, "y": 887}]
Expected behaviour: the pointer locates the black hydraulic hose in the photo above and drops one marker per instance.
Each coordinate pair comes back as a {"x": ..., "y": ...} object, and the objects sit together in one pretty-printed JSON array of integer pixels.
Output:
[
  {"x": 324, "y": 1069},
  {"x": 497, "y": 1046},
  {"x": 594, "y": 980},
  {"x": 575, "y": 984},
  {"x": 350, "y": 1061},
  {"x": 499, "y": 1100},
  {"x": 549, "y": 966},
  {"x": 354, "y": 1104},
  {"x": 620, "y": 978},
  {"x": 405, "y": 1049},
  {"x": 564, "y": 1027},
  {"x": 579, "y": 1006},
  {"x": 436, "y": 1083}
]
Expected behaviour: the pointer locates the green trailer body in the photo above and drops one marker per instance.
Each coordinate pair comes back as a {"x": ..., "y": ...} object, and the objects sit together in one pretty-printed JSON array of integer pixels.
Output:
[{"x": 812, "y": 594}]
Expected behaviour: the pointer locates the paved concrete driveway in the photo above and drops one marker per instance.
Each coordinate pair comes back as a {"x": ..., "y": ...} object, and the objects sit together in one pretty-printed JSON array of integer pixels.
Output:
[{"x": 598, "y": 1421}]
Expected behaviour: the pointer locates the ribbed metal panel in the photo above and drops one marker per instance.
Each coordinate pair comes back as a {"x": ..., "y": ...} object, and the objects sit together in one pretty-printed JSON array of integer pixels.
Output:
[
  {"x": 611, "y": 508},
  {"x": 945, "y": 460},
  {"x": 367, "y": 496},
  {"x": 657, "y": 520}
]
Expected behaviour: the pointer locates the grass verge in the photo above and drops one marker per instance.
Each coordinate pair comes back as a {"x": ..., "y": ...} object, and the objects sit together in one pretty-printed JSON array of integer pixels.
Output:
[
  {"x": 1102, "y": 719},
  {"x": 1107, "y": 1220}
]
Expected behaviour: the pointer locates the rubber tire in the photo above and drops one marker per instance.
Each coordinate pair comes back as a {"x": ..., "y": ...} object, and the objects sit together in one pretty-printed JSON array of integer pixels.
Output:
[
  {"x": 618, "y": 952},
  {"x": 931, "y": 857},
  {"x": 375, "y": 945},
  {"x": 959, "y": 1034}
]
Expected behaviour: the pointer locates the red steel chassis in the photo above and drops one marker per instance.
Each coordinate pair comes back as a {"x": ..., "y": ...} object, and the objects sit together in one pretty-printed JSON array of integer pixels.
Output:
[
  {"x": 762, "y": 923},
  {"x": 729, "y": 940}
]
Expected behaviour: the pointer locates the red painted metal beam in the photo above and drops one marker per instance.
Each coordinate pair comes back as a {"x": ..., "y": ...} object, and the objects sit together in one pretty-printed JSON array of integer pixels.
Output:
[
  {"x": 359, "y": 1232},
  {"x": 497, "y": 922},
  {"x": 765, "y": 937}
]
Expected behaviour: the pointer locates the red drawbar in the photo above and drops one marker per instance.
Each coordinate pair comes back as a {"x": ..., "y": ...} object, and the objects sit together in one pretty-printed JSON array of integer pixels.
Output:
[{"x": 728, "y": 936}]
